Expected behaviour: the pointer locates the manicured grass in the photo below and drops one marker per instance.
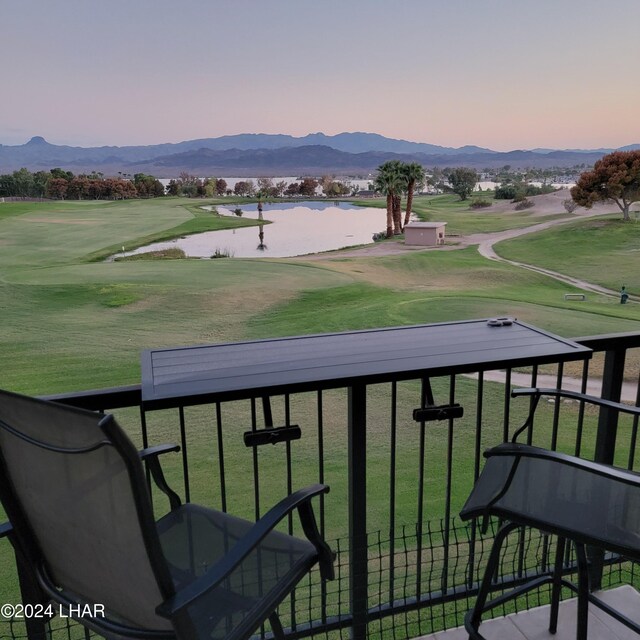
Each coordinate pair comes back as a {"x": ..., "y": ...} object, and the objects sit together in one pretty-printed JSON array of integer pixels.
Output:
[
  {"x": 73, "y": 325},
  {"x": 91, "y": 320},
  {"x": 461, "y": 220},
  {"x": 46, "y": 233},
  {"x": 604, "y": 250},
  {"x": 69, "y": 324},
  {"x": 10, "y": 209},
  {"x": 201, "y": 220},
  {"x": 360, "y": 306}
]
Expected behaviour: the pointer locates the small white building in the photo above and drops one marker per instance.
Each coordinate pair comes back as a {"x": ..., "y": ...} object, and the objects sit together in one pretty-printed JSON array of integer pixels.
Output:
[{"x": 427, "y": 234}]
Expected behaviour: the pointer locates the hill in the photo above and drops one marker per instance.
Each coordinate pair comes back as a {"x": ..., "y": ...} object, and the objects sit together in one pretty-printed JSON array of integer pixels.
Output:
[{"x": 246, "y": 154}]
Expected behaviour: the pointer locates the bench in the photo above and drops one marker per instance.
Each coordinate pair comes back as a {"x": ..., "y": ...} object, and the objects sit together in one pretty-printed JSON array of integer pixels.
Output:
[{"x": 575, "y": 296}]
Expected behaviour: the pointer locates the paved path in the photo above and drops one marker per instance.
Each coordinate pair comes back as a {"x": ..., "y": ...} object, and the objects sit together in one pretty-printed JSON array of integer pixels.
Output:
[
  {"x": 486, "y": 243},
  {"x": 594, "y": 385}
]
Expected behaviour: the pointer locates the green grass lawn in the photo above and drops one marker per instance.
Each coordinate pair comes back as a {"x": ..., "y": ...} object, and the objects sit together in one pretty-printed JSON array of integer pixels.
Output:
[
  {"x": 92, "y": 319},
  {"x": 604, "y": 250},
  {"x": 461, "y": 219},
  {"x": 72, "y": 322}
]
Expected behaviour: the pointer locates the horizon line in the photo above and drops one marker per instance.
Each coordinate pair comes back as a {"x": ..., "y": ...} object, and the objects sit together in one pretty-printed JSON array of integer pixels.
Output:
[{"x": 539, "y": 149}]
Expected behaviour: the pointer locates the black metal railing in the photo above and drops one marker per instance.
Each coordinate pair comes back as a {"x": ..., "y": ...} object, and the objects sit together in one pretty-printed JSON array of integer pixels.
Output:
[{"x": 413, "y": 567}]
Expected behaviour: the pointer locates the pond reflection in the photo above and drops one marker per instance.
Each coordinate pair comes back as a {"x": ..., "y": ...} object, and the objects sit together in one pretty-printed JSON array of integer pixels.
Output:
[
  {"x": 293, "y": 229},
  {"x": 261, "y": 245}
]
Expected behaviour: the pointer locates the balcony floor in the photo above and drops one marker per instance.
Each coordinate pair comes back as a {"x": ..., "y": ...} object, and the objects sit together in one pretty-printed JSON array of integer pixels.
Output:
[{"x": 532, "y": 624}]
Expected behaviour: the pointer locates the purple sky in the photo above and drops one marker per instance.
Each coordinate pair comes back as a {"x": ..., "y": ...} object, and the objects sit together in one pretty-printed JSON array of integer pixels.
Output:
[{"x": 504, "y": 74}]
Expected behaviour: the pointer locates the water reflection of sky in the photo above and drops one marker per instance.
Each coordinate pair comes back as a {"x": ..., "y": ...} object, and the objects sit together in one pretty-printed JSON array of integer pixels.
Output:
[{"x": 296, "y": 228}]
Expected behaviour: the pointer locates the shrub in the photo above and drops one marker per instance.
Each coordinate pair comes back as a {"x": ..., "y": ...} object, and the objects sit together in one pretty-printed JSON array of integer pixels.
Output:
[
  {"x": 221, "y": 253},
  {"x": 480, "y": 203},
  {"x": 506, "y": 192},
  {"x": 518, "y": 191},
  {"x": 160, "y": 254},
  {"x": 524, "y": 204}
]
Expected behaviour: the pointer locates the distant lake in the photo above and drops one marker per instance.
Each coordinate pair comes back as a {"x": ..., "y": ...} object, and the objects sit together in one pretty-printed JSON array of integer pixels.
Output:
[{"x": 296, "y": 228}]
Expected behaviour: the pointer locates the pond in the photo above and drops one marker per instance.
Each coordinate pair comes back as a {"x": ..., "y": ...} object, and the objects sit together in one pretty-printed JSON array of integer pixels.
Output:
[{"x": 290, "y": 229}]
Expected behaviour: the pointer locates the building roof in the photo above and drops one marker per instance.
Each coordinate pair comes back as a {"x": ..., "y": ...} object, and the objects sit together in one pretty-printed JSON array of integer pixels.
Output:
[{"x": 426, "y": 225}]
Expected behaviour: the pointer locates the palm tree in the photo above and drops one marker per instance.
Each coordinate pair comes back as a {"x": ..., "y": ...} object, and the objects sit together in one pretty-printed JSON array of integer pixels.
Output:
[
  {"x": 391, "y": 182},
  {"x": 413, "y": 173},
  {"x": 384, "y": 184}
]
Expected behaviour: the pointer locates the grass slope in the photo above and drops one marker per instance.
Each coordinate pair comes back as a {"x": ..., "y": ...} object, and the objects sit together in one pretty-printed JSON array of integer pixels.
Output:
[
  {"x": 604, "y": 250},
  {"x": 72, "y": 324}
]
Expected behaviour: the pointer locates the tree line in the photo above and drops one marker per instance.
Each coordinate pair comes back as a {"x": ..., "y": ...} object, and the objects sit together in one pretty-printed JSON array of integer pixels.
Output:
[
  {"x": 194, "y": 187},
  {"x": 59, "y": 184},
  {"x": 614, "y": 178}
]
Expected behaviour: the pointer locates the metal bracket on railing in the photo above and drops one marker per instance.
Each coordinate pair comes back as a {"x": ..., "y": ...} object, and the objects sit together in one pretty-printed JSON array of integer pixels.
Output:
[
  {"x": 272, "y": 435},
  {"x": 430, "y": 411},
  {"x": 438, "y": 412}
]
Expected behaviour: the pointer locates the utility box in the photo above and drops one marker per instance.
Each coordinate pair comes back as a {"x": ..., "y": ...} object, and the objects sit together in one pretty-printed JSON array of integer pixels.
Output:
[{"x": 427, "y": 234}]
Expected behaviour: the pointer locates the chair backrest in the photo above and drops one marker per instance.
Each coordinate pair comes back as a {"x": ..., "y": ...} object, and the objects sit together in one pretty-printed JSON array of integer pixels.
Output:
[{"x": 75, "y": 492}]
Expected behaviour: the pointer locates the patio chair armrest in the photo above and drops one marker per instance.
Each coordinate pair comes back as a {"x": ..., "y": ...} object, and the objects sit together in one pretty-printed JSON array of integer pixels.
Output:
[
  {"x": 150, "y": 457},
  {"x": 218, "y": 572},
  {"x": 536, "y": 393},
  {"x": 158, "y": 450},
  {"x": 581, "y": 397}
]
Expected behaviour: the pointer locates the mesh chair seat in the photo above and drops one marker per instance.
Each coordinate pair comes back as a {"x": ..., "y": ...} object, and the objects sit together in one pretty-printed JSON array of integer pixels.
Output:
[
  {"x": 577, "y": 499},
  {"x": 194, "y": 538}
]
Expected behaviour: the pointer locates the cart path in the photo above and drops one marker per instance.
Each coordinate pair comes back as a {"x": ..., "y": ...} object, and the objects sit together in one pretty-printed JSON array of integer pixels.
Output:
[
  {"x": 486, "y": 243},
  {"x": 594, "y": 385}
]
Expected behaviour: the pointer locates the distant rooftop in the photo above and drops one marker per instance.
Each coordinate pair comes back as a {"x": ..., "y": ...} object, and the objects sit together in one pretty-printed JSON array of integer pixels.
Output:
[{"x": 426, "y": 225}]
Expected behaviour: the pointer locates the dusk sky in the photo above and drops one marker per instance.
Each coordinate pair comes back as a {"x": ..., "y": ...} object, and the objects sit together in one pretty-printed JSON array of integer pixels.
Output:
[{"x": 504, "y": 74}]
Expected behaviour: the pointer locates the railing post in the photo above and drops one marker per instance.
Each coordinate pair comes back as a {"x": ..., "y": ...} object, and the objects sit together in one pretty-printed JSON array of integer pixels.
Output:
[
  {"x": 358, "y": 553},
  {"x": 612, "y": 380}
]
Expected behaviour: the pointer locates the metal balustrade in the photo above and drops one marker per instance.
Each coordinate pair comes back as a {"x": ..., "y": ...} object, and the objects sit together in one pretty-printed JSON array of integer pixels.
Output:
[{"x": 414, "y": 568}]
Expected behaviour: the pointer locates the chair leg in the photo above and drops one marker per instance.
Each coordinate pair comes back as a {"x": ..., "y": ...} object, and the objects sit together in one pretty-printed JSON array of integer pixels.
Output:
[
  {"x": 583, "y": 592},
  {"x": 276, "y": 626},
  {"x": 472, "y": 621},
  {"x": 557, "y": 586}
]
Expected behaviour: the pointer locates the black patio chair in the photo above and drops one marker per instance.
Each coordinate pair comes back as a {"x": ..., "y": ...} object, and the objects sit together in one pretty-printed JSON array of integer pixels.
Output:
[
  {"x": 582, "y": 502},
  {"x": 75, "y": 491}
]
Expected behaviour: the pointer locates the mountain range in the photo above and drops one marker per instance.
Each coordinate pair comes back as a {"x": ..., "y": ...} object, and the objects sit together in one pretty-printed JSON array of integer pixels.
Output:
[{"x": 253, "y": 154}]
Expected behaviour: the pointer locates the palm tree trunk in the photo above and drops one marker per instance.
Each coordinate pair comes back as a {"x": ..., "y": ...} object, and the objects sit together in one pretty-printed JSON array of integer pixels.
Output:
[
  {"x": 397, "y": 214},
  {"x": 407, "y": 215},
  {"x": 389, "y": 215}
]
